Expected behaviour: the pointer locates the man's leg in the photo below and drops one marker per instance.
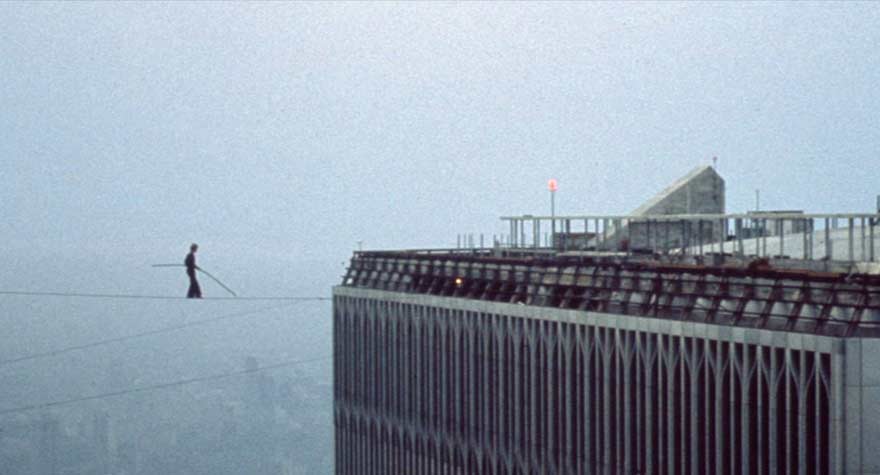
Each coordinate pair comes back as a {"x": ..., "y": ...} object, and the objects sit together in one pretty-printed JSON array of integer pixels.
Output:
[{"x": 193, "y": 291}]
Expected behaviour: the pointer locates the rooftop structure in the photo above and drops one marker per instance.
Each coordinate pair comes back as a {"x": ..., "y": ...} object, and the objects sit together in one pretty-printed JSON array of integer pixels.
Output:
[
  {"x": 652, "y": 343},
  {"x": 699, "y": 192}
]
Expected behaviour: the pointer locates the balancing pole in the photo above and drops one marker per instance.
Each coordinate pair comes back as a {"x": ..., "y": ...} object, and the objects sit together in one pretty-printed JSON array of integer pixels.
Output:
[{"x": 203, "y": 271}]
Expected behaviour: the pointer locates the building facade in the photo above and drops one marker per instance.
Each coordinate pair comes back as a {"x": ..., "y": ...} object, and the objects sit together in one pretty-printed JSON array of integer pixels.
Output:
[
  {"x": 485, "y": 364},
  {"x": 673, "y": 340}
]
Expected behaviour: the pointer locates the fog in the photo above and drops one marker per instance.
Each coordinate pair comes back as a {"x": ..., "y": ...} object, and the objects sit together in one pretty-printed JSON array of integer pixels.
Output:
[
  {"x": 277, "y": 421},
  {"x": 282, "y": 136}
]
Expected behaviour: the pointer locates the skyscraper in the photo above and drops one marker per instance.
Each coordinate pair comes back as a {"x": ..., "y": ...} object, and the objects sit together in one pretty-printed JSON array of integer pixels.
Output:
[{"x": 654, "y": 357}]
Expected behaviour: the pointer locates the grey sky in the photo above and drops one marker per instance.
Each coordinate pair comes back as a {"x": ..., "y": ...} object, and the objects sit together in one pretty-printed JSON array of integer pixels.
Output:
[{"x": 302, "y": 128}]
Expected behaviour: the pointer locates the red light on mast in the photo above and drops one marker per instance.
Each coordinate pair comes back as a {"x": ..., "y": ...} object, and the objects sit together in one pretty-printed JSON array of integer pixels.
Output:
[{"x": 552, "y": 184}]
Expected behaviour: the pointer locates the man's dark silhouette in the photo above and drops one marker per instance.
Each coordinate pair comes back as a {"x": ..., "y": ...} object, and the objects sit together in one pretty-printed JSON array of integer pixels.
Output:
[{"x": 194, "y": 292}]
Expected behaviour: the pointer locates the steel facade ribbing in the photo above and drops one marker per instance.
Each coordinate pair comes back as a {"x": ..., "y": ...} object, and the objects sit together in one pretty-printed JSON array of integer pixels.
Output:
[{"x": 423, "y": 386}]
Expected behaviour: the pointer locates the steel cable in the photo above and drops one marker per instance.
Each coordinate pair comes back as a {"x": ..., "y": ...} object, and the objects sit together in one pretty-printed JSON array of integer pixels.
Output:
[
  {"x": 158, "y": 331},
  {"x": 159, "y": 386}
]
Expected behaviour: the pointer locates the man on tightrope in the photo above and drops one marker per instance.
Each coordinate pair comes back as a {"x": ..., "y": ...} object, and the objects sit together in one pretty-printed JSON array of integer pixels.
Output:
[{"x": 194, "y": 292}]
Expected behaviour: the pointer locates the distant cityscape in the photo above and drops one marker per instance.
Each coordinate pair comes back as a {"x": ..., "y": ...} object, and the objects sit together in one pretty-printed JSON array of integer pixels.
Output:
[{"x": 272, "y": 423}]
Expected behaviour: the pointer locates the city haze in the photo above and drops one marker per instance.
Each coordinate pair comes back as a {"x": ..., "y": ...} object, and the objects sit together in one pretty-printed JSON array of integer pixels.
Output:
[{"x": 282, "y": 136}]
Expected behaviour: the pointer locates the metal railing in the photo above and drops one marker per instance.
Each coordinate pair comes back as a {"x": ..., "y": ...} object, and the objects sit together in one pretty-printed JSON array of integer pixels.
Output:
[{"x": 851, "y": 237}]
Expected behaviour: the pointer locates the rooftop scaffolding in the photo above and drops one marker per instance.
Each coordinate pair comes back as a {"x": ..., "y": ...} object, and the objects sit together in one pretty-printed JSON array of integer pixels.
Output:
[{"x": 841, "y": 237}]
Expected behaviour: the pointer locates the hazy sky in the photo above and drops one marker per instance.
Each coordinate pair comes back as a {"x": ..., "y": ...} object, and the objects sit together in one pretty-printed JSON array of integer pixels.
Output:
[{"x": 302, "y": 128}]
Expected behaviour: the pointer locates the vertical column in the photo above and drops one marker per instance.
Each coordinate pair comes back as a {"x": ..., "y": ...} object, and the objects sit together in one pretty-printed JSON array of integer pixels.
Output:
[
  {"x": 338, "y": 360},
  {"x": 586, "y": 231},
  {"x": 840, "y": 358},
  {"x": 451, "y": 396},
  {"x": 531, "y": 407},
  {"x": 774, "y": 416},
  {"x": 806, "y": 229},
  {"x": 390, "y": 411},
  {"x": 737, "y": 226},
  {"x": 811, "y": 237},
  {"x": 662, "y": 429},
  {"x": 626, "y": 349},
  {"x": 760, "y": 403},
  {"x": 669, "y": 362},
  {"x": 501, "y": 367},
  {"x": 850, "y": 238},
  {"x": 764, "y": 236},
  {"x": 472, "y": 372},
  {"x": 629, "y": 235},
  {"x": 569, "y": 414},
  {"x": 871, "y": 239},
  {"x": 719, "y": 435},
  {"x": 606, "y": 355},
  {"x": 552, "y": 383},
  {"x": 432, "y": 375},
  {"x": 829, "y": 245},
  {"x": 666, "y": 242},
  {"x": 746, "y": 380},
  {"x": 617, "y": 453},
  {"x": 585, "y": 349},
  {"x": 516, "y": 414},
  {"x": 686, "y": 236},
  {"x": 801, "y": 422},
  {"x": 459, "y": 428},
  {"x": 653, "y": 236},
  {"x": 595, "y": 239},
  {"x": 536, "y": 232},
  {"x": 512, "y": 240},
  {"x": 368, "y": 390},
  {"x": 700, "y": 236},
  {"x": 379, "y": 443},
  {"x": 651, "y": 389},
  {"x": 788, "y": 420},
  {"x": 415, "y": 379},
  {"x": 817, "y": 452},
  {"x": 694, "y": 358},
  {"x": 639, "y": 450},
  {"x": 686, "y": 420},
  {"x": 605, "y": 231},
  {"x": 864, "y": 247}
]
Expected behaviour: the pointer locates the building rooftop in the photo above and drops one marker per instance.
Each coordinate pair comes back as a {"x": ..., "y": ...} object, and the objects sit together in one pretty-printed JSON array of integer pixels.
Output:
[{"x": 678, "y": 256}]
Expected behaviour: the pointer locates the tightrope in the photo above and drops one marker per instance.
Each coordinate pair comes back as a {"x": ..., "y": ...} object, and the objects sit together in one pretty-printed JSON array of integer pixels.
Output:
[{"x": 147, "y": 297}]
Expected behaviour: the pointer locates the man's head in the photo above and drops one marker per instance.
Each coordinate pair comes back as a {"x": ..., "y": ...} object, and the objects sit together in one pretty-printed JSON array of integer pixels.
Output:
[{"x": 194, "y": 247}]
